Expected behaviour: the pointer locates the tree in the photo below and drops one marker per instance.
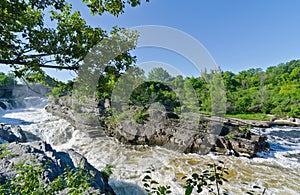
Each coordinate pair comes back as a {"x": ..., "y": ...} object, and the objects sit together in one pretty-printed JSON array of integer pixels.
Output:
[
  {"x": 38, "y": 34},
  {"x": 159, "y": 74},
  {"x": 6, "y": 80}
]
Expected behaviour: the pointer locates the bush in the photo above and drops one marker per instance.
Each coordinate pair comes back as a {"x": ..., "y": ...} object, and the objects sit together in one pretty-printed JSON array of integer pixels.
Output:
[{"x": 30, "y": 180}]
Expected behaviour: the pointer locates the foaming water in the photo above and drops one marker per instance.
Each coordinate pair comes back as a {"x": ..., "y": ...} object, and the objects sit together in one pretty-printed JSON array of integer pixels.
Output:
[
  {"x": 284, "y": 145},
  {"x": 273, "y": 170}
]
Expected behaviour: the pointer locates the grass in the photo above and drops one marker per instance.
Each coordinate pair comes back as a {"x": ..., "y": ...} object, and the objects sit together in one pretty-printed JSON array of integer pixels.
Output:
[
  {"x": 5, "y": 152},
  {"x": 256, "y": 116}
]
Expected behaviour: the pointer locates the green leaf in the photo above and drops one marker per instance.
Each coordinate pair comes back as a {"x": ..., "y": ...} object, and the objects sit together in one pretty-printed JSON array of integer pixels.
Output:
[
  {"x": 188, "y": 190},
  {"x": 147, "y": 177},
  {"x": 153, "y": 182},
  {"x": 195, "y": 175}
]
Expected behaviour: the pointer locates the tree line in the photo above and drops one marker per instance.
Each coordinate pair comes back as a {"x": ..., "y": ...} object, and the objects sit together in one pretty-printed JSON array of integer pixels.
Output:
[{"x": 274, "y": 91}]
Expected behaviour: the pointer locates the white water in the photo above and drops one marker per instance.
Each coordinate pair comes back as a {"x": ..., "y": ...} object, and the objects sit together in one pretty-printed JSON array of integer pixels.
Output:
[{"x": 276, "y": 171}]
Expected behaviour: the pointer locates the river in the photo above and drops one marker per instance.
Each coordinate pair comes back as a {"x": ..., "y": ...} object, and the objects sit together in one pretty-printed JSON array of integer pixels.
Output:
[{"x": 277, "y": 171}]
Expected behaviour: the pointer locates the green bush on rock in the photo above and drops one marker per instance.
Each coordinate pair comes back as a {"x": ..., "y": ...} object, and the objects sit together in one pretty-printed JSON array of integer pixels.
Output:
[{"x": 29, "y": 180}]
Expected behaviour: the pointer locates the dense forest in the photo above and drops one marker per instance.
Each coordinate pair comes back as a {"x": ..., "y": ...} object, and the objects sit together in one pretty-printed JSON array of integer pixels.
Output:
[{"x": 275, "y": 91}]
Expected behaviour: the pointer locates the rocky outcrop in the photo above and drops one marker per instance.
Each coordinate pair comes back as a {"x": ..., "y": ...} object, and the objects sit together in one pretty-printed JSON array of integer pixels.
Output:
[
  {"x": 190, "y": 134},
  {"x": 87, "y": 115},
  {"x": 16, "y": 150},
  {"x": 11, "y": 134},
  {"x": 240, "y": 143},
  {"x": 55, "y": 164},
  {"x": 292, "y": 122}
]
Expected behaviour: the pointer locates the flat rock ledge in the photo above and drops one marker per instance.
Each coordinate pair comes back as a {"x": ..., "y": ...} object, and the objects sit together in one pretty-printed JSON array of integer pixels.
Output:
[
  {"x": 40, "y": 153},
  {"x": 193, "y": 134}
]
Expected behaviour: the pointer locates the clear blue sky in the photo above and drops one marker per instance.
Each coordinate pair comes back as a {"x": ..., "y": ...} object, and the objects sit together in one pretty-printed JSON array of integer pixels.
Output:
[{"x": 239, "y": 34}]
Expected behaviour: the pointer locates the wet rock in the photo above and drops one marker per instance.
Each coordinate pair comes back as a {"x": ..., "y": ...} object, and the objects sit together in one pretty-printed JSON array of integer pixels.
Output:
[
  {"x": 240, "y": 143},
  {"x": 2, "y": 105},
  {"x": 11, "y": 134}
]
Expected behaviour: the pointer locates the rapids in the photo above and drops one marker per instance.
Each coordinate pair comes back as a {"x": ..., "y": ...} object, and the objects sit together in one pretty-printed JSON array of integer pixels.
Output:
[{"x": 278, "y": 170}]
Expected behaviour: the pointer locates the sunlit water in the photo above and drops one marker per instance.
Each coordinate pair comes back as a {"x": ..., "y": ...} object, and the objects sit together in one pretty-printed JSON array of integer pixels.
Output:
[{"x": 278, "y": 171}]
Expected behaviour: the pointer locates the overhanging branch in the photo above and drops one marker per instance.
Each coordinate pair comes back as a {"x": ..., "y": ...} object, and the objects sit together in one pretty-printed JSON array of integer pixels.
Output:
[{"x": 12, "y": 62}]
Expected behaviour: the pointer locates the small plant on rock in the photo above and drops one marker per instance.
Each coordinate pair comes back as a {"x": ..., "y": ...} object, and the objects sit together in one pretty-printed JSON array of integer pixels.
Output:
[
  {"x": 107, "y": 171},
  {"x": 5, "y": 152},
  {"x": 246, "y": 129}
]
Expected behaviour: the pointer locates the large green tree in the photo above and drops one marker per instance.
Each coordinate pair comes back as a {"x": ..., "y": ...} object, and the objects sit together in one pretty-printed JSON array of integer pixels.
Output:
[{"x": 36, "y": 34}]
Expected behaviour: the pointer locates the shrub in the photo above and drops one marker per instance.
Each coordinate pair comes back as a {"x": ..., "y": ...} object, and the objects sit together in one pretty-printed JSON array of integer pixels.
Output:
[
  {"x": 152, "y": 186},
  {"x": 30, "y": 180},
  {"x": 214, "y": 176}
]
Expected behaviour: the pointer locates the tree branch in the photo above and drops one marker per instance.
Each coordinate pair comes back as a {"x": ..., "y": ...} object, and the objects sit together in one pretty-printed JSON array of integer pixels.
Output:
[{"x": 13, "y": 62}]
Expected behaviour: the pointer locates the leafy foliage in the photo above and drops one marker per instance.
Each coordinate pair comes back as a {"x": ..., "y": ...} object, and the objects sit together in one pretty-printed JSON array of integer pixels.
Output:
[
  {"x": 115, "y": 7},
  {"x": 7, "y": 79},
  {"x": 159, "y": 74},
  {"x": 150, "y": 92},
  {"x": 246, "y": 129},
  {"x": 253, "y": 116},
  {"x": 38, "y": 34},
  {"x": 253, "y": 93},
  {"x": 152, "y": 186},
  {"x": 107, "y": 171},
  {"x": 214, "y": 176},
  {"x": 30, "y": 180}
]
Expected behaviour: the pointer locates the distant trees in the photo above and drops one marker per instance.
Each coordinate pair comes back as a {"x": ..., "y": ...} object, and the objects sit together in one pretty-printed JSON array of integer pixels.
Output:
[
  {"x": 7, "y": 79},
  {"x": 274, "y": 91},
  {"x": 159, "y": 74}
]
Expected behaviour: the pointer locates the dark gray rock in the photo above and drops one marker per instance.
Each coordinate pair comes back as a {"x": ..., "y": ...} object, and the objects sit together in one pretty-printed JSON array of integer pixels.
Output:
[
  {"x": 86, "y": 115},
  {"x": 41, "y": 153},
  {"x": 2, "y": 105},
  {"x": 239, "y": 143},
  {"x": 11, "y": 134}
]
